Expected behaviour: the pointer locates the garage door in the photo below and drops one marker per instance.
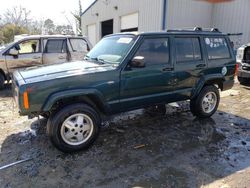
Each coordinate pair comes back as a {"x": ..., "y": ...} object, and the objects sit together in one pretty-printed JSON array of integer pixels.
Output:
[
  {"x": 92, "y": 33},
  {"x": 129, "y": 22}
]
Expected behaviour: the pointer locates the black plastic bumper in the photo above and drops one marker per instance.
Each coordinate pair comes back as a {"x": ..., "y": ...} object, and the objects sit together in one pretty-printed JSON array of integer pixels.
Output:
[{"x": 226, "y": 85}]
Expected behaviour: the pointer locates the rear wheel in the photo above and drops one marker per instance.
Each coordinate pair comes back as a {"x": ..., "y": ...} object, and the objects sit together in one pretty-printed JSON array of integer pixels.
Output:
[
  {"x": 74, "y": 128},
  {"x": 2, "y": 80},
  {"x": 206, "y": 103}
]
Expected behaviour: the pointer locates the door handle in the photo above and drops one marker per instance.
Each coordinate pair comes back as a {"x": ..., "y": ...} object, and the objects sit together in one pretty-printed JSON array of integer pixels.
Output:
[
  {"x": 36, "y": 57},
  {"x": 61, "y": 57},
  {"x": 167, "y": 69},
  {"x": 200, "y": 65}
]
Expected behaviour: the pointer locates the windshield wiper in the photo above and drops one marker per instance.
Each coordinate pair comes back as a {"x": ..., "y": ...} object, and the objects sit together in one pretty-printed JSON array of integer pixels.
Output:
[{"x": 99, "y": 60}]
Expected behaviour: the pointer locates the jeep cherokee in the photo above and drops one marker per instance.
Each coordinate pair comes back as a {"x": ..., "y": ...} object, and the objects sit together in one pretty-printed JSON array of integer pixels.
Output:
[{"x": 124, "y": 72}]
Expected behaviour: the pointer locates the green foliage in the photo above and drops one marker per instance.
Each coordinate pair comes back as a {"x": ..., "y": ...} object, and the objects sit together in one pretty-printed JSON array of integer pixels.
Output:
[{"x": 8, "y": 32}]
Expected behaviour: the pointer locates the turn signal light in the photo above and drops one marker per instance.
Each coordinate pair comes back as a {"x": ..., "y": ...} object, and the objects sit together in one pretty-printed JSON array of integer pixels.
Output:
[{"x": 26, "y": 100}]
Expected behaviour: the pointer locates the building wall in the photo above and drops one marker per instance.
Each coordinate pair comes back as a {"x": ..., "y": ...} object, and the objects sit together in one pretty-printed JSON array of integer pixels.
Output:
[
  {"x": 233, "y": 17},
  {"x": 150, "y": 14},
  {"x": 188, "y": 13}
]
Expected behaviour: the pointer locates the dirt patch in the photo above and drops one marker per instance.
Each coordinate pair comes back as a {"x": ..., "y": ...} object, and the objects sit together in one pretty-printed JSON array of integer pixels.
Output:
[{"x": 177, "y": 150}]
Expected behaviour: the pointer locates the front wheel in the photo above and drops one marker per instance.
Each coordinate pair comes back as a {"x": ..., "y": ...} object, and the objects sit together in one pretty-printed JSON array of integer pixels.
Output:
[
  {"x": 74, "y": 128},
  {"x": 206, "y": 103}
]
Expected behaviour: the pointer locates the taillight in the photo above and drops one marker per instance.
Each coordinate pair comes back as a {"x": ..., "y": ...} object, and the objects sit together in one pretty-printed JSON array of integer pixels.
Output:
[
  {"x": 236, "y": 69},
  {"x": 26, "y": 100}
]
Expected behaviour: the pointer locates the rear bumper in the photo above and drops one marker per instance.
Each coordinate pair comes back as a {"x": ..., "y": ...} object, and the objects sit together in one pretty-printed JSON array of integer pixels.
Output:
[
  {"x": 243, "y": 74},
  {"x": 228, "y": 84}
]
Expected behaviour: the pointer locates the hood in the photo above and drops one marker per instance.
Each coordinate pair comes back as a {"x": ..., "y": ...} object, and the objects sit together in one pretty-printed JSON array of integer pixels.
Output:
[{"x": 49, "y": 72}]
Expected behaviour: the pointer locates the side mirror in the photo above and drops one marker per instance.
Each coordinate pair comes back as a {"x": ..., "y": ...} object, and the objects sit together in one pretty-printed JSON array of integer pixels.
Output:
[
  {"x": 138, "y": 62},
  {"x": 13, "y": 52}
]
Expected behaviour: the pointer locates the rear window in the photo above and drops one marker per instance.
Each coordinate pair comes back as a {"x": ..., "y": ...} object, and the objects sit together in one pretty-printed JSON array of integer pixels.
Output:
[
  {"x": 217, "y": 48},
  {"x": 187, "y": 49}
]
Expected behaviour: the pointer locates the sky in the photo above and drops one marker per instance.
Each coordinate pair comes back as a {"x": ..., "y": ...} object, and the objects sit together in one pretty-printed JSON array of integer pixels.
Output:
[{"x": 57, "y": 10}]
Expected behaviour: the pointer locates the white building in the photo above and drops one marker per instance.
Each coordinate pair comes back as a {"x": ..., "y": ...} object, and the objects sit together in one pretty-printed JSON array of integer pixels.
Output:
[{"x": 112, "y": 16}]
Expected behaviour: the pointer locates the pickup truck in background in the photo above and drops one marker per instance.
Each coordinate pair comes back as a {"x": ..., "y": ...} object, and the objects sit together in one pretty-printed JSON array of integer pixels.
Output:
[{"x": 38, "y": 50}]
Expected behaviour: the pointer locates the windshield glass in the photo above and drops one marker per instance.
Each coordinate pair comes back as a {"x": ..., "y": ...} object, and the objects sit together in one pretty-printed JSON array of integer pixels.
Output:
[
  {"x": 111, "y": 49},
  {"x": 5, "y": 46}
]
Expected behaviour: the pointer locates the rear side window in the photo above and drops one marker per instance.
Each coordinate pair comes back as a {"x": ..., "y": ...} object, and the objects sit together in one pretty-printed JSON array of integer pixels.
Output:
[
  {"x": 79, "y": 45},
  {"x": 217, "y": 48},
  {"x": 56, "y": 46},
  {"x": 187, "y": 49}
]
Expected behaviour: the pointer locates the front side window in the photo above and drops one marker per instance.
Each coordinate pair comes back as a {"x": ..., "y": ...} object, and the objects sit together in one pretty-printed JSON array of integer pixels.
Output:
[
  {"x": 111, "y": 49},
  {"x": 154, "y": 51},
  {"x": 56, "y": 46},
  {"x": 79, "y": 45},
  {"x": 28, "y": 46},
  {"x": 187, "y": 49},
  {"x": 217, "y": 48}
]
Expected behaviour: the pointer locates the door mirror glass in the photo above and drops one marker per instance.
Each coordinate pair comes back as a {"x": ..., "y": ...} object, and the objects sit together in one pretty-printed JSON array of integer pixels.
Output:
[
  {"x": 13, "y": 52},
  {"x": 137, "y": 62}
]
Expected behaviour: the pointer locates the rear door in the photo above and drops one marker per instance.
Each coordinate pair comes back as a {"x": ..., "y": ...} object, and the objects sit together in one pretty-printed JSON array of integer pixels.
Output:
[
  {"x": 29, "y": 54},
  {"x": 78, "y": 48},
  {"x": 152, "y": 83},
  {"x": 55, "y": 51},
  {"x": 189, "y": 63}
]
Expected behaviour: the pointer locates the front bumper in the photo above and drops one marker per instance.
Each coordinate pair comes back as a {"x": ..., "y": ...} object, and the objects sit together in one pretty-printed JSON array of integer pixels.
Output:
[{"x": 243, "y": 74}]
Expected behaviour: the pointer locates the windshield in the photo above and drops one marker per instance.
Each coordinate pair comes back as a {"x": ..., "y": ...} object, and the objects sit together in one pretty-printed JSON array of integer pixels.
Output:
[
  {"x": 5, "y": 46},
  {"x": 111, "y": 49}
]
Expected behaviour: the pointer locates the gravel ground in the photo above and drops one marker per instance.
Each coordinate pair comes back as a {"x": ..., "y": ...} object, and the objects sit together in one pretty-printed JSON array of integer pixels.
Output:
[{"x": 134, "y": 149}]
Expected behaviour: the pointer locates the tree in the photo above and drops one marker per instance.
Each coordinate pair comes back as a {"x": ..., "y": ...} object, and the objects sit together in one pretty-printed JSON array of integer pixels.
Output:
[
  {"x": 17, "y": 15},
  {"x": 77, "y": 17},
  {"x": 9, "y": 31},
  {"x": 49, "y": 26}
]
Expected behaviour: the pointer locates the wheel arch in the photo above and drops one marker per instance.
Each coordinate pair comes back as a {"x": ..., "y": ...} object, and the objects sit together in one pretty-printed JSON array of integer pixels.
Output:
[
  {"x": 216, "y": 80},
  {"x": 92, "y": 98}
]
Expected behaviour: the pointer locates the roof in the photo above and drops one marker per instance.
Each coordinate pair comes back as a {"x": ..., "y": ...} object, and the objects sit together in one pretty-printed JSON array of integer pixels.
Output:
[
  {"x": 175, "y": 32},
  {"x": 88, "y": 7},
  {"x": 46, "y": 36}
]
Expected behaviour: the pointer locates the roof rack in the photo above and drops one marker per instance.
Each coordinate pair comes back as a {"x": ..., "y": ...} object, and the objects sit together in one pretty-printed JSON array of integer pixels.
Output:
[{"x": 195, "y": 29}]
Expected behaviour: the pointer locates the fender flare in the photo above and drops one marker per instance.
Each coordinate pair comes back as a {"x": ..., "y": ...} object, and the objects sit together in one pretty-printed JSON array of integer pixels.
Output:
[
  {"x": 53, "y": 98},
  {"x": 205, "y": 79}
]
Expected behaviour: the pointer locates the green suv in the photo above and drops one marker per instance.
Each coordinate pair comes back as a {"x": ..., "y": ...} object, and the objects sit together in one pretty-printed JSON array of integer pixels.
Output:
[{"x": 124, "y": 72}]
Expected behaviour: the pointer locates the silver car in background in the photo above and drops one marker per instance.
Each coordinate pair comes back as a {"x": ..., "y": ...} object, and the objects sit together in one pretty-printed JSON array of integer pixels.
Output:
[{"x": 39, "y": 50}]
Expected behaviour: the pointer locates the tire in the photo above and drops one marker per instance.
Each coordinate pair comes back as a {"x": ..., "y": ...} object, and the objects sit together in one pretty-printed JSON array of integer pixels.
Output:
[
  {"x": 2, "y": 80},
  {"x": 201, "y": 106},
  {"x": 65, "y": 133}
]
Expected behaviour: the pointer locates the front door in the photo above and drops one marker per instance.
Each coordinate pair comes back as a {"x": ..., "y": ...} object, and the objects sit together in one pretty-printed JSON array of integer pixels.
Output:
[
  {"x": 150, "y": 84},
  {"x": 29, "y": 54},
  {"x": 55, "y": 51}
]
